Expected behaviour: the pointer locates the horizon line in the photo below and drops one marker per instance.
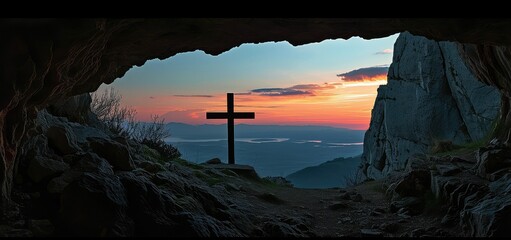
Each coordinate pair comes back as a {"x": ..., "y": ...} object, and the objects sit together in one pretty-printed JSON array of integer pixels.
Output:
[{"x": 276, "y": 124}]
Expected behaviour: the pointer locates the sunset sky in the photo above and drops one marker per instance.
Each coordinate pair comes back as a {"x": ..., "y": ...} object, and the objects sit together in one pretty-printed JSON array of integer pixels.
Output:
[{"x": 331, "y": 83}]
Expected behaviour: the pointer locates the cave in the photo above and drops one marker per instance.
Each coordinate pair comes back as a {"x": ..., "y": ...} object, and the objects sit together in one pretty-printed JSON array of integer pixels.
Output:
[{"x": 44, "y": 62}]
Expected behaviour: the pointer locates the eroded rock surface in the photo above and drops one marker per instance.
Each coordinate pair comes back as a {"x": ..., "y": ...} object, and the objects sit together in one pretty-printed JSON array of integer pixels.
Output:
[{"x": 430, "y": 97}]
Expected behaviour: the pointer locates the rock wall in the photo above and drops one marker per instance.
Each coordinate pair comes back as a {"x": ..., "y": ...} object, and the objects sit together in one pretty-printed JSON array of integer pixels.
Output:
[
  {"x": 46, "y": 60},
  {"x": 430, "y": 97}
]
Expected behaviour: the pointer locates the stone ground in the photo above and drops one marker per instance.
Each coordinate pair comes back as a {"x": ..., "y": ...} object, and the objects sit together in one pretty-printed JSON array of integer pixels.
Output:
[{"x": 357, "y": 211}]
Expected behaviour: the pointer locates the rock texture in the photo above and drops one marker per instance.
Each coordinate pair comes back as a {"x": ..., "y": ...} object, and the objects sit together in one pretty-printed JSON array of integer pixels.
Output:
[
  {"x": 47, "y": 60},
  {"x": 90, "y": 182},
  {"x": 430, "y": 97}
]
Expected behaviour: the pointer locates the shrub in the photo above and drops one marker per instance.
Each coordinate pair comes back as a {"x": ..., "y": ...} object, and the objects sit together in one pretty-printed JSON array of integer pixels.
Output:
[
  {"x": 121, "y": 120},
  {"x": 107, "y": 107},
  {"x": 166, "y": 150}
]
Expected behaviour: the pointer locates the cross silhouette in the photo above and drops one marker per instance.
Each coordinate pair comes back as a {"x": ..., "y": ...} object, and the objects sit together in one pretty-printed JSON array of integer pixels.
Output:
[{"x": 230, "y": 115}]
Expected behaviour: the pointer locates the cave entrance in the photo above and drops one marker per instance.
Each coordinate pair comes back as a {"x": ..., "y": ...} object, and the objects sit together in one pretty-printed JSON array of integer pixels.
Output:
[{"x": 313, "y": 101}]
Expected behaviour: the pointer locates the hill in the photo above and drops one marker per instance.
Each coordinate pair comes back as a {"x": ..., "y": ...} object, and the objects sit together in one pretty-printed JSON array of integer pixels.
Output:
[{"x": 330, "y": 174}]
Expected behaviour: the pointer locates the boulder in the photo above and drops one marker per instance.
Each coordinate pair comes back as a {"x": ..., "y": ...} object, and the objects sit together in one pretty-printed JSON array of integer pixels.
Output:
[
  {"x": 41, "y": 168},
  {"x": 62, "y": 139},
  {"x": 214, "y": 161},
  {"x": 116, "y": 154},
  {"x": 491, "y": 215},
  {"x": 95, "y": 205}
]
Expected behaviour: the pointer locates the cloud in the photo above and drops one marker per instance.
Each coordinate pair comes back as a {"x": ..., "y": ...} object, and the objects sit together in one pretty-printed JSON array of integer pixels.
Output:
[
  {"x": 365, "y": 74},
  {"x": 385, "y": 51},
  {"x": 296, "y": 90},
  {"x": 243, "y": 93},
  {"x": 151, "y": 97},
  {"x": 280, "y": 92},
  {"x": 185, "y": 115},
  {"x": 254, "y": 106},
  {"x": 193, "y": 95},
  {"x": 313, "y": 86}
]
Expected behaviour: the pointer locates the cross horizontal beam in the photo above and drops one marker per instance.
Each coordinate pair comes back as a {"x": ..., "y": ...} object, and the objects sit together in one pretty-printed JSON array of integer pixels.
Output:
[
  {"x": 224, "y": 115},
  {"x": 230, "y": 115}
]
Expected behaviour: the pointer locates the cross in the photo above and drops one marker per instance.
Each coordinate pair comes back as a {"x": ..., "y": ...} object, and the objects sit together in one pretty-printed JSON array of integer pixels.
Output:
[{"x": 230, "y": 115}]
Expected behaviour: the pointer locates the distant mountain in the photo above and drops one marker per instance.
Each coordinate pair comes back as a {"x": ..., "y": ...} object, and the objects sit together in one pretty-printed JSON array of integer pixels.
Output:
[
  {"x": 326, "y": 175},
  {"x": 324, "y": 133}
]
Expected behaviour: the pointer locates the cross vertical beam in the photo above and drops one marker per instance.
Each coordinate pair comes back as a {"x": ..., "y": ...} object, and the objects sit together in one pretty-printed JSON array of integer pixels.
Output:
[
  {"x": 230, "y": 115},
  {"x": 230, "y": 126}
]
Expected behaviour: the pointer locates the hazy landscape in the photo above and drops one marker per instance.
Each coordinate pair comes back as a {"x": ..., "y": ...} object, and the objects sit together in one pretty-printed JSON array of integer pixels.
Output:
[{"x": 273, "y": 150}]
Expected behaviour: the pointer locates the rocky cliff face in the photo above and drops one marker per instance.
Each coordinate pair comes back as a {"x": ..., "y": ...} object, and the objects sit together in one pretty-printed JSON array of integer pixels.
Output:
[
  {"x": 430, "y": 97},
  {"x": 47, "y": 60}
]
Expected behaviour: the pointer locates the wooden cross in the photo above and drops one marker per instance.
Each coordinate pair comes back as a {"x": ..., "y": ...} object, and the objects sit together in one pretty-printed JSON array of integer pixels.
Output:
[{"x": 230, "y": 115}]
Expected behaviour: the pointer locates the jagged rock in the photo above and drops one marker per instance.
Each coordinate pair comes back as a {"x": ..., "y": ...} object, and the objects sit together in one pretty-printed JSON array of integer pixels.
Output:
[
  {"x": 61, "y": 139},
  {"x": 430, "y": 96},
  {"x": 447, "y": 170},
  {"x": 115, "y": 153},
  {"x": 152, "y": 167},
  {"x": 75, "y": 108},
  {"x": 41, "y": 168},
  {"x": 438, "y": 182},
  {"x": 414, "y": 183},
  {"x": 149, "y": 207},
  {"x": 492, "y": 160},
  {"x": 412, "y": 205},
  {"x": 491, "y": 215},
  {"x": 95, "y": 205}
]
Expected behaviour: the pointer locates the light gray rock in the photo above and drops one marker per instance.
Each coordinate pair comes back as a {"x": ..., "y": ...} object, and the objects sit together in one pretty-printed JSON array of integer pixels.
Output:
[{"x": 430, "y": 96}]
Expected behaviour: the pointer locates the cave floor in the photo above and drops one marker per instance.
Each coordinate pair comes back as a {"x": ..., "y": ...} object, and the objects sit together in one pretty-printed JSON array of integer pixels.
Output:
[{"x": 327, "y": 214}]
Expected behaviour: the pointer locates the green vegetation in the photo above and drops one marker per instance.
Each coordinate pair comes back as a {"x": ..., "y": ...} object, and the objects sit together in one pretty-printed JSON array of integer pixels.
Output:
[
  {"x": 188, "y": 164},
  {"x": 442, "y": 149},
  {"x": 445, "y": 147},
  {"x": 210, "y": 180}
]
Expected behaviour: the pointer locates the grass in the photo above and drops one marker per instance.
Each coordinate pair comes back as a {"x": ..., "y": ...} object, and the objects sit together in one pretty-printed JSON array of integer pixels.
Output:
[
  {"x": 457, "y": 149},
  {"x": 210, "y": 180},
  {"x": 188, "y": 164}
]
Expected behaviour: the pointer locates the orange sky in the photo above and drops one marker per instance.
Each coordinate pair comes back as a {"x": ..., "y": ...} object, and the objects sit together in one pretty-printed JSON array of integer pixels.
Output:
[
  {"x": 332, "y": 83},
  {"x": 348, "y": 105}
]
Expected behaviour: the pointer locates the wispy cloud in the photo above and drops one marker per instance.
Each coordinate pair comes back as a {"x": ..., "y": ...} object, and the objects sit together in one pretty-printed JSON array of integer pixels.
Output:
[
  {"x": 296, "y": 90},
  {"x": 280, "y": 92},
  {"x": 255, "y": 106},
  {"x": 384, "y": 51},
  {"x": 193, "y": 95},
  {"x": 365, "y": 74}
]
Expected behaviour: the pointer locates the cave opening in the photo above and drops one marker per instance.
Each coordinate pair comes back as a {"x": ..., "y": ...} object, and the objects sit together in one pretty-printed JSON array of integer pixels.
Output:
[
  {"x": 46, "y": 62},
  {"x": 313, "y": 102}
]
